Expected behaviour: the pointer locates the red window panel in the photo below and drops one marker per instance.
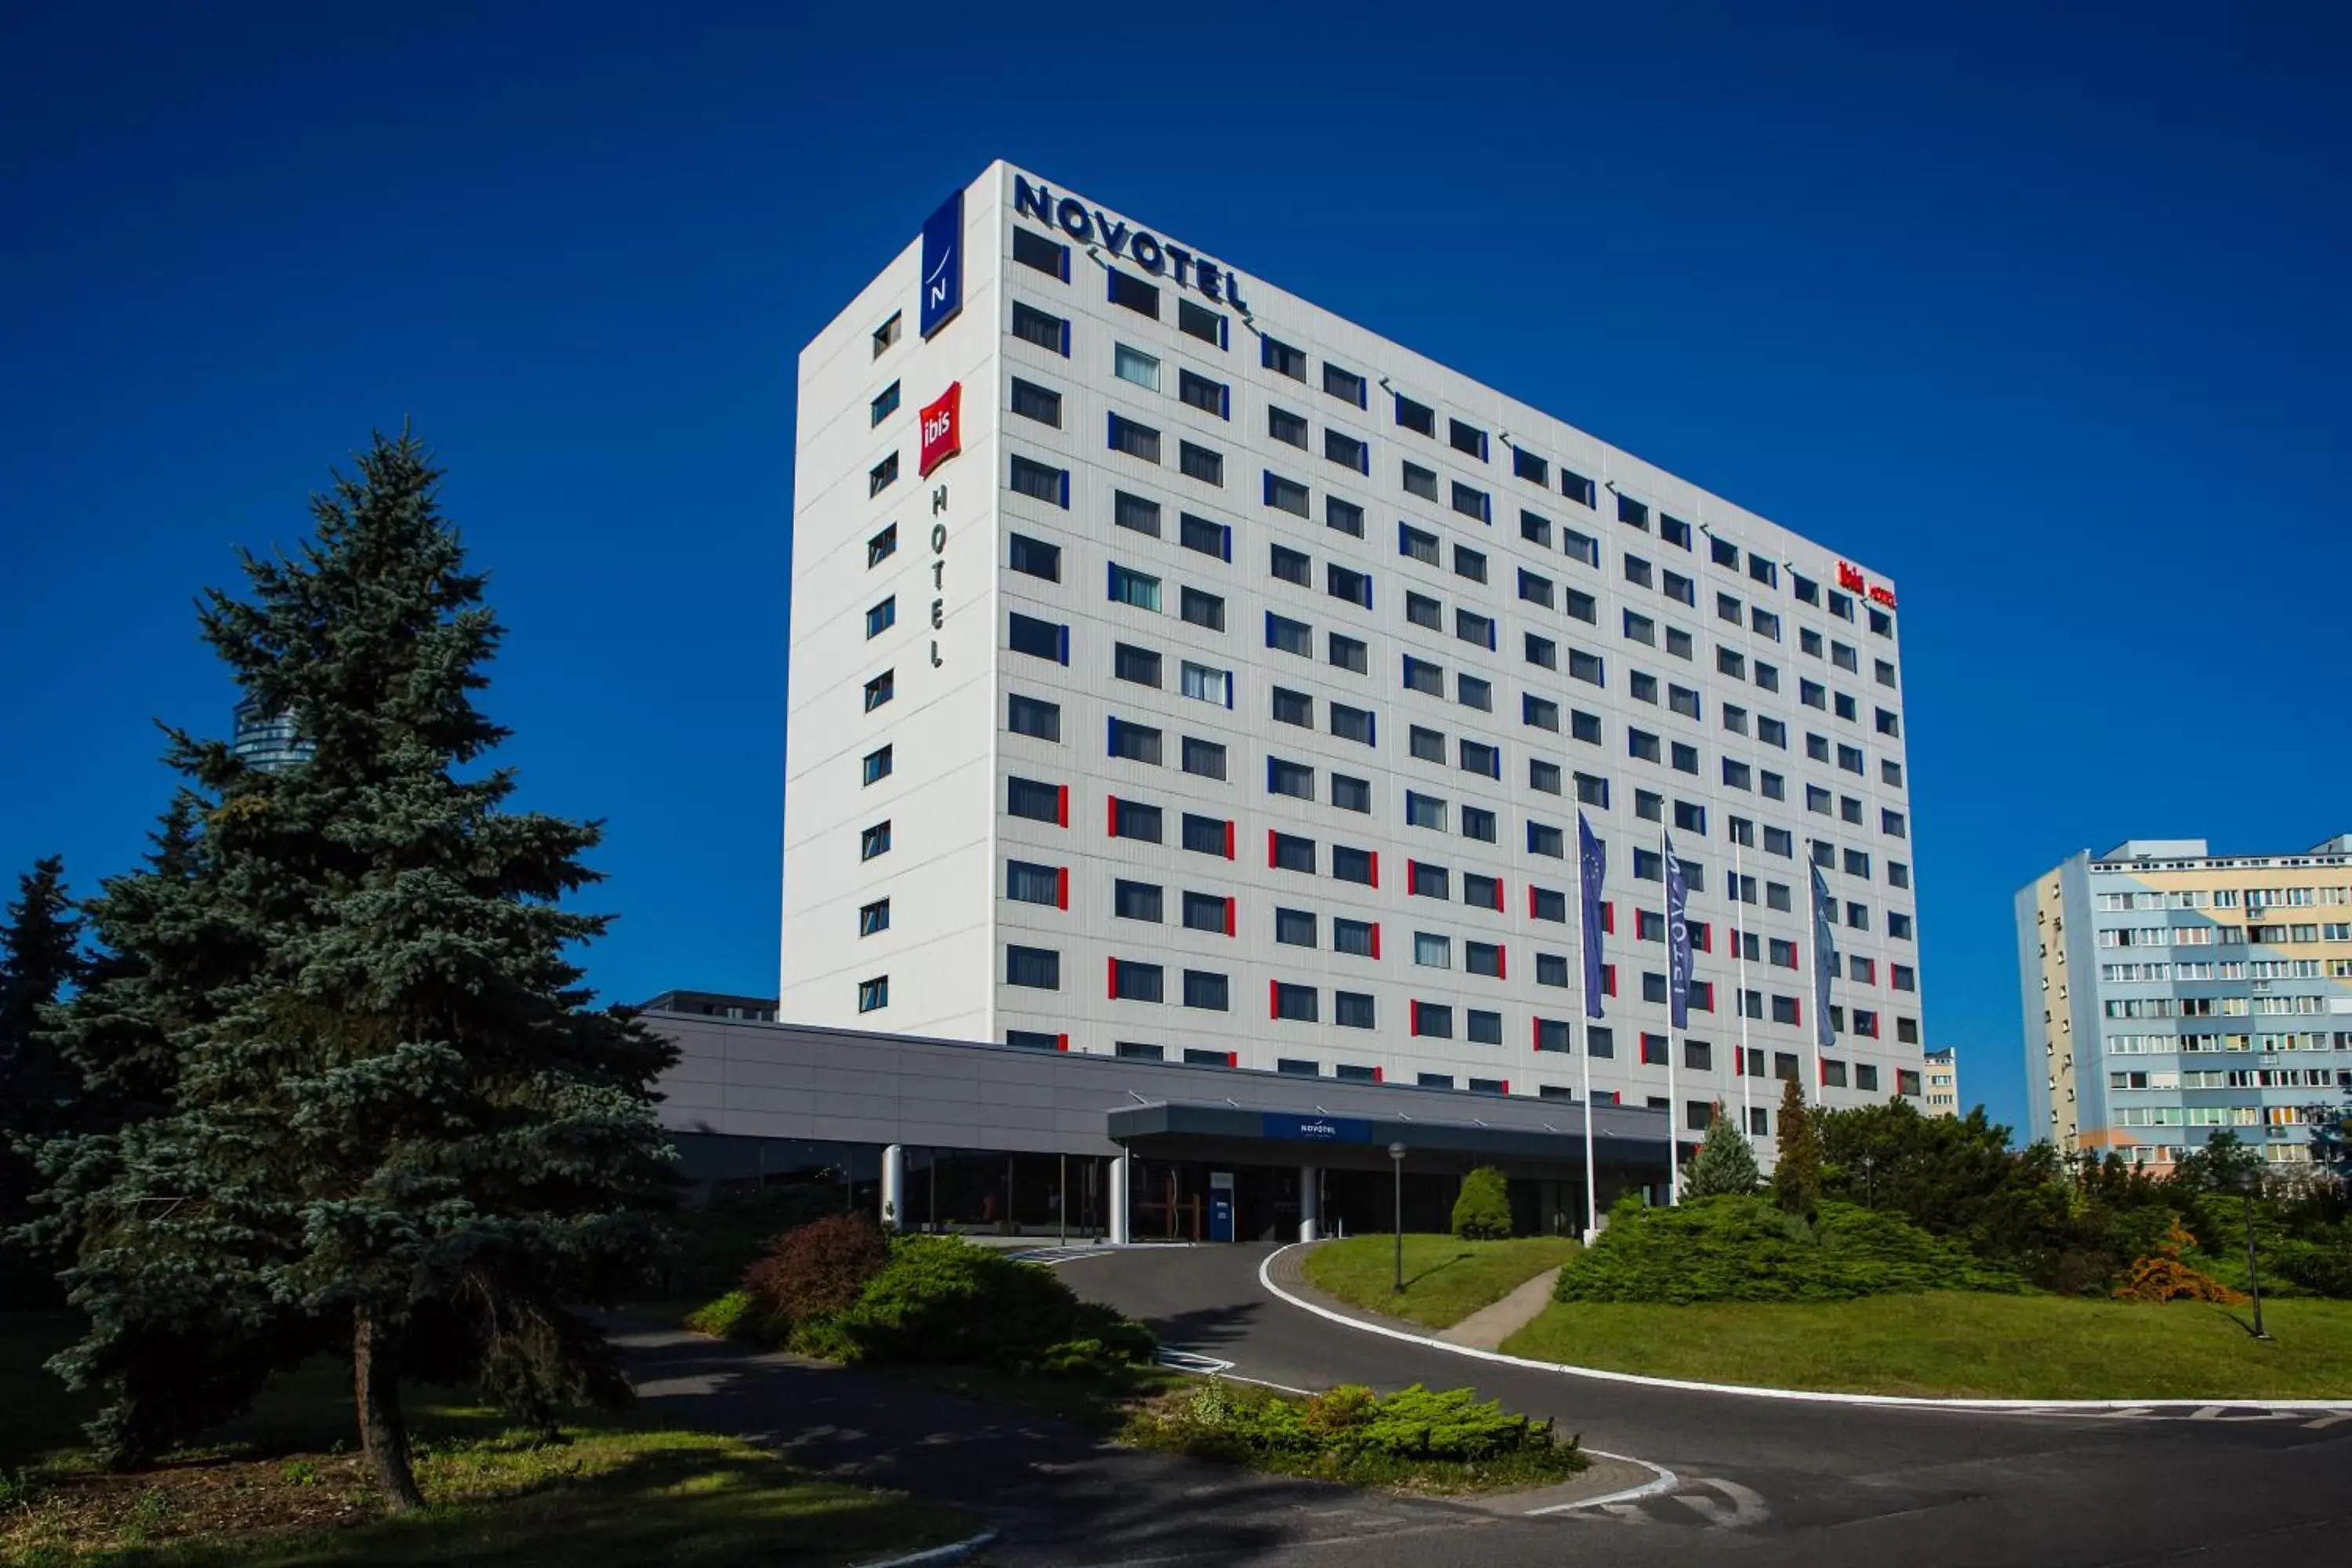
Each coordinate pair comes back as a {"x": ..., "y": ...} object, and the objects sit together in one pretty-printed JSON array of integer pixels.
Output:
[
  {"x": 1110, "y": 824},
  {"x": 1061, "y": 1042},
  {"x": 1274, "y": 998},
  {"x": 1233, "y": 1058},
  {"x": 1062, "y": 806},
  {"x": 1232, "y": 908},
  {"x": 1507, "y": 1086},
  {"x": 1380, "y": 1075},
  {"x": 1062, "y": 888},
  {"x": 1609, "y": 918},
  {"x": 1270, "y": 836},
  {"x": 1609, "y": 980},
  {"x": 1502, "y": 962},
  {"x": 1376, "y": 941},
  {"x": 1229, "y": 840},
  {"x": 1376, "y": 867},
  {"x": 1498, "y": 895},
  {"x": 1412, "y": 1019},
  {"x": 1110, "y": 978}
]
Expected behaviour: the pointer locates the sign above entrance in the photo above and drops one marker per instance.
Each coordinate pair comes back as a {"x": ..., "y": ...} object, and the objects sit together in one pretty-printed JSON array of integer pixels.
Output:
[{"x": 1314, "y": 1129}]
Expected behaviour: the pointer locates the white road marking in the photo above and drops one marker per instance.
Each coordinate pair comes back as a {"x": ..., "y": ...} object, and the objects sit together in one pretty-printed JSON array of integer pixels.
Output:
[{"x": 1748, "y": 1509}]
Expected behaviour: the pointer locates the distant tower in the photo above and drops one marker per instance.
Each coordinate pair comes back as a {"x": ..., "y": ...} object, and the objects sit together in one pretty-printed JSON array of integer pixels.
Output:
[{"x": 266, "y": 741}]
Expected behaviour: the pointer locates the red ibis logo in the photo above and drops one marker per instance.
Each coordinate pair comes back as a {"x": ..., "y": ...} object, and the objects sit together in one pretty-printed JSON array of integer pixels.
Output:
[{"x": 942, "y": 427}]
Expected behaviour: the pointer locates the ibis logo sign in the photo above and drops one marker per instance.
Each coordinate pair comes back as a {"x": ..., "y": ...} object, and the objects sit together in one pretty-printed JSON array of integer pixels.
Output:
[
  {"x": 943, "y": 264},
  {"x": 942, "y": 427}
]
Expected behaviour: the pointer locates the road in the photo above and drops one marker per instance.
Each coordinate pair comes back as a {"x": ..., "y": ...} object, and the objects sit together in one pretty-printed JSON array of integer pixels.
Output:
[{"x": 1769, "y": 1481}]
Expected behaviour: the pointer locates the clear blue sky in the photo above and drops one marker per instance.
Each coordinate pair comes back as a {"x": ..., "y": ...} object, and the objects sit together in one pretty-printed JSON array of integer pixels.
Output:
[{"x": 2042, "y": 311}]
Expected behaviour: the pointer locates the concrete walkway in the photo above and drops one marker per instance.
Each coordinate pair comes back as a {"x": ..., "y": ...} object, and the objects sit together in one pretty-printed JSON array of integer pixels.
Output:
[{"x": 1490, "y": 1326}]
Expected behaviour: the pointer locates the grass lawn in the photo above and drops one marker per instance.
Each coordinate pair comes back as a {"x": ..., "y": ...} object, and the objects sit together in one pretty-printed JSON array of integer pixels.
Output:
[
  {"x": 284, "y": 1487},
  {"x": 1445, "y": 1279},
  {"x": 1961, "y": 1344}
]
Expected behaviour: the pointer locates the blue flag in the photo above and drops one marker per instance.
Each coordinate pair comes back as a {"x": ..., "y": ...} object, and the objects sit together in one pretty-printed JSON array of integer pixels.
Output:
[
  {"x": 1592, "y": 864},
  {"x": 1824, "y": 959},
  {"x": 1678, "y": 947}
]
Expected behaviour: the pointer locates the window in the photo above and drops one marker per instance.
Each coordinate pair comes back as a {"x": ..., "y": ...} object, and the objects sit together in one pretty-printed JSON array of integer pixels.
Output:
[
  {"x": 1289, "y": 852},
  {"x": 1641, "y": 628},
  {"x": 1349, "y": 653},
  {"x": 1290, "y": 636},
  {"x": 1890, "y": 822},
  {"x": 1198, "y": 462},
  {"x": 1200, "y": 321},
  {"x": 1135, "y": 1050},
  {"x": 1347, "y": 450},
  {"x": 1473, "y": 693},
  {"x": 1137, "y": 513},
  {"x": 1344, "y": 384},
  {"x": 1134, "y": 742},
  {"x": 1592, "y": 790},
  {"x": 884, "y": 336},
  {"x": 1419, "y": 481},
  {"x": 1424, "y": 611},
  {"x": 1031, "y": 249},
  {"x": 874, "y": 918},
  {"x": 1129, "y": 587},
  {"x": 1428, "y": 881},
  {"x": 1292, "y": 708},
  {"x": 1204, "y": 759},
  {"x": 1198, "y": 534},
  {"x": 879, "y": 477},
  {"x": 1543, "y": 652},
  {"x": 1432, "y": 1021},
  {"x": 1344, "y": 515},
  {"x": 881, "y": 547},
  {"x": 1035, "y": 558},
  {"x": 1032, "y": 325},
  {"x": 1541, "y": 713},
  {"x": 1641, "y": 743},
  {"x": 876, "y": 765},
  {"x": 1040, "y": 481},
  {"x": 1358, "y": 939},
  {"x": 1199, "y": 392},
  {"x": 1203, "y": 608},
  {"x": 1039, "y": 403},
  {"x": 1133, "y": 365},
  {"x": 1632, "y": 512},
  {"x": 1294, "y": 928},
  {"x": 884, "y": 403},
  {"x": 1674, "y": 531},
  {"x": 880, "y": 689},
  {"x": 1027, "y": 882},
  {"x": 1582, "y": 546},
  {"x": 1486, "y": 892},
  {"x": 1134, "y": 819},
  {"x": 1471, "y": 501},
  {"x": 1352, "y": 723},
  {"x": 1296, "y": 1003},
  {"x": 1038, "y": 967},
  {"x": 1425, "y": 745},
  {"x": 881, "y": 618},
  {"x": 1207, "y": 990},
  {"x": 1135, "y": 440},
  {"x": 1296, "y": 779},
  {"x": 1359, "y": 866},
  {"x": 1033, "y": 717},
  {"x": 1477, "y": 757},
  {"x": 1291, "y": 565},
  {"x": 1133, "y": 981},
  {"x": 1134, "y": 294},
  {"x": 1037, "y": 638},
  {"x": 1586, "y": 666},
  {"x": 874, "y": 841},
  {"x": 1351, "y": 794},
  {"x": 1526, "y": 465},
  {"x": 1473, "y": 627},
  {"x": 1282, "y": 359},
  {"x": 1037, "y": 801},
  {"x": 1208, "y": 836},
  {"x": 874, "y": 994},
  {"x": 1413, "y": 542},
  {"x": 1286, "y": 495},
  {"x": 1416, "y": 416},
  {"x": 1583, "y": 726},
  {"x": 1205, "y": 683}
]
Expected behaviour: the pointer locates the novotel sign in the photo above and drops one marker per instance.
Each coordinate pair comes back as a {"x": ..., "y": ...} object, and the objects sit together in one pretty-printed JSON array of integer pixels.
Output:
[
  {"x": 1092, "y": 226},
  {"x": 1314, "y": 1129}
]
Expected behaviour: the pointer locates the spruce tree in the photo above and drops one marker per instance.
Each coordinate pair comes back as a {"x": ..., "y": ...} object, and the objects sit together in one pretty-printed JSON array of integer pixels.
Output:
[
  {"x": 1797, "y": 1176},
  {"x": 40, "y": 957},
  {"x": 1724, "y": 1163},
  {"x": 368, "y": 1105}
]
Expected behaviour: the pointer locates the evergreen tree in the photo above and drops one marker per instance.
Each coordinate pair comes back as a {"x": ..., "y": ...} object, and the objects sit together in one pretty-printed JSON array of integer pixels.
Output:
[
  {"x": 40, "y": 957},
  {"x": 366, "y": 1103},
  {"x": 1482, "y": 1211},
  {"x": 1797, "y": 1177},
  {"x": 1725, "y": 1162}
]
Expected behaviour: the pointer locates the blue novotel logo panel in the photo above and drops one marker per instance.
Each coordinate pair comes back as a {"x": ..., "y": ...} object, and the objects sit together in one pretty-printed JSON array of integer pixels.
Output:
[
  {"x": 943, "y": 264},
  {"x": 1293, "y": 1128}
]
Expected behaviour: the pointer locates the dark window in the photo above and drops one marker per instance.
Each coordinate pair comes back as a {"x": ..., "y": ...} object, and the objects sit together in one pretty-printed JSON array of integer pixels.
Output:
[
  {"x": 1136, "y": 513},
  {"x": 1207, "y": 990},
  {"x": 1209, "y": 538},
  {"x": 1135, "y": 440},
  {"x": 1526, "y": 465},
  {"x": 1204, "y": 759},
  {"x": 1135, "y": 294},
  {"x": 1200, "y": 321},
  {"x": 1343, "y": 384},
  {"x": 1047, "y": 332},
  {"x": 1351, "y": 794},
  {"x": 1467, "y": 438},
  {"x": 1351, "y": 1009},
  {"x": 1203, "y": 608},
  {"x": 1201, "y": 393},
  {"x": 874, "y": 841},
  {"x": 1038, "y": 639},
  {"x": 1289, "y": 852},
  {"x": 1032, "y": 716},
  {"x": 1295, "y": 779},
  {"x": 1286, "y": 427},
  {"x": 1350, "y": 653},
  {"x": 1416, "y": 416},
  {"x": 1286, "y": 495},
  {"x": 1471, "y": 501},
  {"x": 1132, "y": 982},
  {"x": 1035, "y": 966},
  {"x": 1208, "y": 836},
  {"x": 1348, "y": 450},
  {"x": 1136, "y": 901},
  {"x": 1035, "y": 558},
  {"x": 1413, "y": 542},
  {"x": 1291, "y": 565},
  {"x": 882, "y": 546},
  {"x": 1032, "y": 401},
  {"x": 1295, "y": 927},
  {"x": 1292, "y": 708},
  {"x": 1133, "y": 819},
  {"x": 1033, "y": 249},
  {"x": 1030, "y": 798},
  {"x": 1041, "y": 481},
  {"x": 1344, "y": 515},
  {"x": 1420, "y": 481},
  {"x": 1290, "y": 636},
  {"x": 1200, "y": 463},
  {"x": 1352, "y": 723},
  {"x": 1293, "y": 1002},
  {"x": 1135, "y": 742},
  {"x": 1282, "y": 359}
]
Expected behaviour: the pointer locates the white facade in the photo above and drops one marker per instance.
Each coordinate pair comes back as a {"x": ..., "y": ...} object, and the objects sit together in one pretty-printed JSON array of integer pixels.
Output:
[{"x": 1621, "y": 550}]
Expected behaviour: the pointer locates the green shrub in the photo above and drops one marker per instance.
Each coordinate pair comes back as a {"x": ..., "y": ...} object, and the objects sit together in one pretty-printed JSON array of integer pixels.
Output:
[
  {"x": 1724, "y": 1163},
  {"x": 940, "y": 1299},
  {"x": 2320, "y": 1263},
  {"x": 724, "y": 1318},
  {"x": 1348, "y": 1432},
  {"x": 1483, "y": 1212},
  {"x": 1747, "y": 1249},
  {"x": 815, "y": 1269}
]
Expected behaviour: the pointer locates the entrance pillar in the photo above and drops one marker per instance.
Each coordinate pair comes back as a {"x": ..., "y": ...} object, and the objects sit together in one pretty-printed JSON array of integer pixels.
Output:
[
  {"x": 1310, "y": 1203},
  {"x": 894, "y": 1186},
  {"x": 1118, "y": 1184}
]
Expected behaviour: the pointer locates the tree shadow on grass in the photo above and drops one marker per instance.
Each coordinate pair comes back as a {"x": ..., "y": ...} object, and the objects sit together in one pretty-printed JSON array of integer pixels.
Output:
[{"x": 1435, "y": 1268}]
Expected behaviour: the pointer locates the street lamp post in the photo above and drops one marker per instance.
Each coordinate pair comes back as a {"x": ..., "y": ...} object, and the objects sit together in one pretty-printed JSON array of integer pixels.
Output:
[
  {"x": 1396, "y": 1158},
  {"x": 2253, "y": 1277}
]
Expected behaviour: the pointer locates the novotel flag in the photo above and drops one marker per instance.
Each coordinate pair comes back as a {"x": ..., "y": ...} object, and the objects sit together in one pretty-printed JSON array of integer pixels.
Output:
[
  {"x": 1592, "y": 865},
  {"x": 1678, "y": 944},
  {"x": 943, "y": 264}
]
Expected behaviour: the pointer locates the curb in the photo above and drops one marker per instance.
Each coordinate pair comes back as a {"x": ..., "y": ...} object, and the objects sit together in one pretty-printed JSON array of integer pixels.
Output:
[
  {"x": 1661, "y": 1480},
  {"x": 1800, "y": 1395},
  {"x": 954, "y": 1551}
]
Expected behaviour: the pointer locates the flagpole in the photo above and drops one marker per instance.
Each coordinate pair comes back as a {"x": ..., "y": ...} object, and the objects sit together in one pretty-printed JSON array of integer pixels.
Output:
[
  {"x": 1739, "y": 1004},
  {"x": 1673, "y": 1095},
  {"x": 1813, "y": 927},
  {"x": 1592, "y": 1011}
]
